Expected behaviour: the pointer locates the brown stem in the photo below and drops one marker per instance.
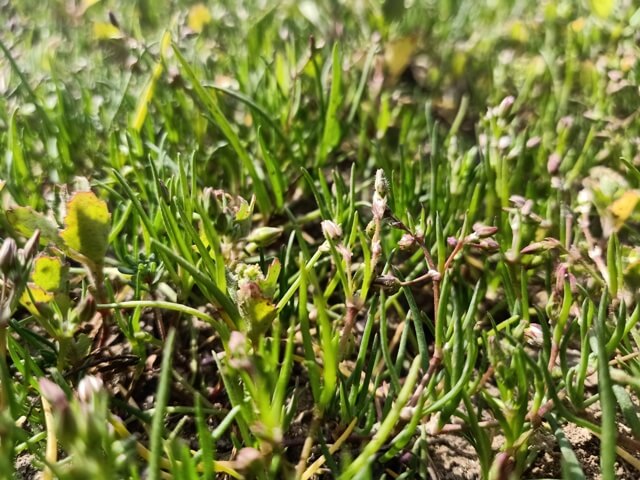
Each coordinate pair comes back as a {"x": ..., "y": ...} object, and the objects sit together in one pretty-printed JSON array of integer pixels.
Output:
[{"x": 349, "y": 323}]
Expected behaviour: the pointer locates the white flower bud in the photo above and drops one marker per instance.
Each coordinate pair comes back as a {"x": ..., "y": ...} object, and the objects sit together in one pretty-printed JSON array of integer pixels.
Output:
[{"x": 331, "y": 230}]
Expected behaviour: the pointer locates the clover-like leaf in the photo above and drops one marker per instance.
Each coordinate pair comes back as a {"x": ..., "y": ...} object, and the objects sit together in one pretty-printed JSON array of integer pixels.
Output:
[
  {"x": 49, "y": 273},
  {"x": 87, "y": 226},
  {"x": 26, "y": 221}
]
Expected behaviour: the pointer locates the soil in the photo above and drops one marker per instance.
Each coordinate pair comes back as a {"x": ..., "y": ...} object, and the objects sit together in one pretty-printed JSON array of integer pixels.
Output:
[{"x": 454, "y": 458}]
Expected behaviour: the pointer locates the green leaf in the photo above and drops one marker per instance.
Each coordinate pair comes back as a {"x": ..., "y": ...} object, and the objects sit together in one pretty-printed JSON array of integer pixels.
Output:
[
  {"x": 570, "y": 464},
  {"x": 331, "y": 132},
  {"x": 49, "y": 273},
  {"x": 210, "y": 101},
  {"x": 26, "y": 220},
  {"x": 87, "y": 226},
  {"x": 274, "y": 171}
]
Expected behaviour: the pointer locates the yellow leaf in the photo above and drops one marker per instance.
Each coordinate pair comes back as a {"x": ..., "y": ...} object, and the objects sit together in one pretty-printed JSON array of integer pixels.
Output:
[
  {"x": 140, "y": 114},
  {"x": 87, "y": 226},
  {"x": 165, "y": 44},
  {"x": 602, "y": 8},
  {"x": 398, "y": 54},
  {"x": 199, "y": 17},
  {"x": 106, "y": 31},
  {"x": 34, "y": 297},
  {"x": 624, "y": 206},
  {"x": 48, "y": 273}
]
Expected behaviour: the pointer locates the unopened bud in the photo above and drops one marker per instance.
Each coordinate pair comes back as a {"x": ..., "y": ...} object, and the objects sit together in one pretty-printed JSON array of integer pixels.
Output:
[
  {"x": 517, "y": 200},
  {"x": 504, "y": 107},
  {"x": 533, "y": 335},
  {"x": 378, "y": 206},
  {"x": 31, "y": 247},
  {"x": 489, "y": 245},
  {"x": 527, "y": 208},
  {"x": 484, "y": 231},
  {"x": 54, "y": 395},
  {"x": 553, "y": 162},
  {"x": 346, "y": 253},
  {"x": 8, "y": 252},
  {"x": 542, "y": 246},
  {"x": 264, "y": 236},
  {"x": 381, "y": 185},
  {"x": 247, "y": 460},
  {"x": 331, "y": 230},
  {"x": 88, "y": 387},
  {"x": 407, "y": 242},
  {"x": 237, "y": 344},
  {"x": 387, "y": 282}
]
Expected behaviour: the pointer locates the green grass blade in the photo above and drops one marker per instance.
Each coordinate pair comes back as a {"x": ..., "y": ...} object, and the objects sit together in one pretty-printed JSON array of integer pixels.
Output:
[{"x": 162, "y": 398}]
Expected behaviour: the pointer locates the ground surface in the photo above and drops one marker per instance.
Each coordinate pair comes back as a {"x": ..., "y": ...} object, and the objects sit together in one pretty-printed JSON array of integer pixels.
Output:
[{"x": 308, "y": 240}]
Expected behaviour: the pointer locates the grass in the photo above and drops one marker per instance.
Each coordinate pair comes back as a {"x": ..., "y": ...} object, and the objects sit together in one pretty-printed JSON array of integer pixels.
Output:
[{"x": 320, "y": 236}]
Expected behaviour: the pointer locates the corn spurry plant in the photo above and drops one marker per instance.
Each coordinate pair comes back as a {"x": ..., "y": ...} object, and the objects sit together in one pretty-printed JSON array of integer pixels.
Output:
[{"x": 319, "y": 240}]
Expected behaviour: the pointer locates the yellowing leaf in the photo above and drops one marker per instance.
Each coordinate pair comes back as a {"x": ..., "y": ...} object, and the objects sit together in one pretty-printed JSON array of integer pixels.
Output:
[
  {"x": 26, "y": 220},
  {"x": 48, "y": 273},
  {"x": 624, "y": 206},
  {"x": 87, "y": 226},
  {"x": 165, "y": 43},
  {"x": 261, "y": 312},
  {"x": 34, "y": 297},
  {"x": 398, "y": 54},
  {"x": 199, "y": 16},
  {"x": 602, "y": 8},
  {"x": 106, "y": 31},
  {"x": 145, "y": 99}
]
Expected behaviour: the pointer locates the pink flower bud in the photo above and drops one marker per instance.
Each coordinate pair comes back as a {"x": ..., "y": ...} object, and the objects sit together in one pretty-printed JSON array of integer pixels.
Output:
[{"x": 331, "y": 230}]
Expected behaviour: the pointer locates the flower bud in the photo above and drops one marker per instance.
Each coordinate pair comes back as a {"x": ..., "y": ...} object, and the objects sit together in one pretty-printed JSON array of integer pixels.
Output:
[
  {"x": 331, "y": 230},
  {"x": 248, "y": 460},
  {"x": 553, "y": 162},
  {"x": 31, "y": 247},
  {"x": 8, "y": 252},
  {"x": 263, "y": 236},
  {"x": 387, "y": 282},
  {"x": 542, "y": 246},
  {"x": 489, "y": 245},
  {"x": 381, "y": 185},
  {"x": 505, "y": 105},
  {"x": 54, "y": 395},
  {"x": 533, "y": 335},
  {"x": 237, "y": 344},
  {"x": 88, "y": 387},
  {"x": 407, "y": 242},
  {"x": 378, "y": 206},
  {"x": 484, "y": 231}
]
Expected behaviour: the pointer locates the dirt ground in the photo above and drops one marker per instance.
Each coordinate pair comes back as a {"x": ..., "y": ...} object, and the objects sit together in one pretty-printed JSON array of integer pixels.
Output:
[{"x": 455, "y": 459}]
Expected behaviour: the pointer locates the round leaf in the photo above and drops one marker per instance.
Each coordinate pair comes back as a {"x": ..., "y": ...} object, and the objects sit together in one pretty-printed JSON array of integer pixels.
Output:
[{"x": 87, "y": 226}]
